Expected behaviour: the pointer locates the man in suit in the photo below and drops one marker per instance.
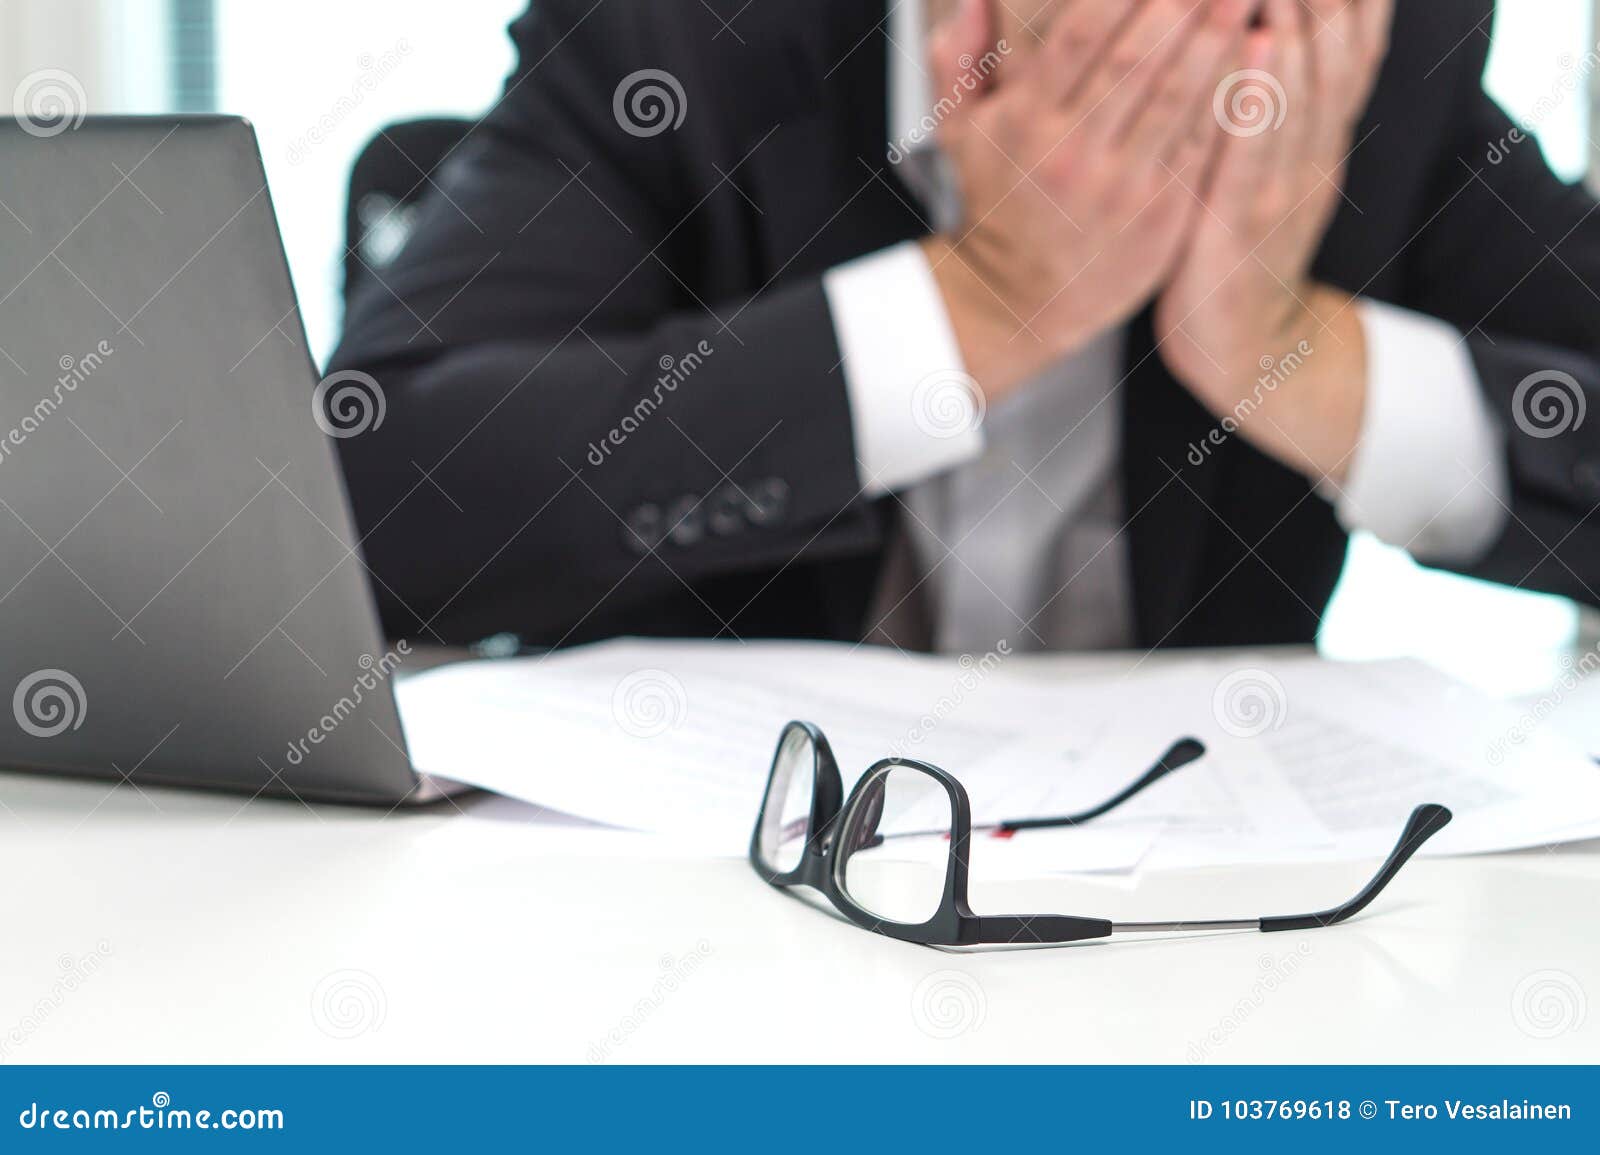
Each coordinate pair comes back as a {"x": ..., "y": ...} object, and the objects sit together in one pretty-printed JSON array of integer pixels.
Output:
[{"x": 1064, "y": 323}]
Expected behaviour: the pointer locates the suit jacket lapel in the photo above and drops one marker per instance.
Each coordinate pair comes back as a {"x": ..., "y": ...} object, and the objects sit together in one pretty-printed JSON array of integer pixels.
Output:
[
  {"x": 813, "y": 149},
  {"x": 1168, "y": 497}
]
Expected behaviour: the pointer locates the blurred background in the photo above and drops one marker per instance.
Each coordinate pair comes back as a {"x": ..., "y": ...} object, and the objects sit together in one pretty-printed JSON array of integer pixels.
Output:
[{"x": 319, "y": 79}]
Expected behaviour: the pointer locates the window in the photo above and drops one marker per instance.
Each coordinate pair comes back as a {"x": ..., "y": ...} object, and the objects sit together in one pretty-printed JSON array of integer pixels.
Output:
[
  {"x": 318, "y": 79},
  {"x": 1539, "y": 70},
  {"x": 317, "y": 99}
]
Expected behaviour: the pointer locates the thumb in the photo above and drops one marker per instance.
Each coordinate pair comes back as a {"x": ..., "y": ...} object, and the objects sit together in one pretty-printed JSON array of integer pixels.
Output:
[{"x": 960, "y": 55}]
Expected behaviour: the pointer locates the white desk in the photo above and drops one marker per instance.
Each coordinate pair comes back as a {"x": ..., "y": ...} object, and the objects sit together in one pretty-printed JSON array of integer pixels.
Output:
[{"x": 205, "y": 931}]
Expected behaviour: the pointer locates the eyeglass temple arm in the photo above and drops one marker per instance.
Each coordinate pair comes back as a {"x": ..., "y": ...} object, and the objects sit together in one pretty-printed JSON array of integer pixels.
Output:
[
  {"x": 1425, "y": 821},
  {"x": 1181, "y": 754}
]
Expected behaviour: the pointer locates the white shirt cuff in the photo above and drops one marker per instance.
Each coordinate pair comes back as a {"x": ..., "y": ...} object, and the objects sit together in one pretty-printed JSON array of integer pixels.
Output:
[
  {"x": 1430, "y": 473},
  {"x": 914, "y": 410}
]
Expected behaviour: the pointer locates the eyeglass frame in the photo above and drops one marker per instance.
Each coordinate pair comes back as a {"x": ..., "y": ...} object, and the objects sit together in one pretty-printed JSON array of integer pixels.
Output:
[{"x": 954, "y": 923}]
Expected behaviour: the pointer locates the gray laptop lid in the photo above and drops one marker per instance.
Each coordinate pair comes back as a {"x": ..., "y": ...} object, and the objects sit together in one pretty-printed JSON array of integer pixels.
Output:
[{"x": 181, "y": 598}]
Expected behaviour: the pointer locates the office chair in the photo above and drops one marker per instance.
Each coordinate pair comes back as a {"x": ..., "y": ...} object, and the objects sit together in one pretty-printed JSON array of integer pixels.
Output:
[{"x": 386, "y": 182}]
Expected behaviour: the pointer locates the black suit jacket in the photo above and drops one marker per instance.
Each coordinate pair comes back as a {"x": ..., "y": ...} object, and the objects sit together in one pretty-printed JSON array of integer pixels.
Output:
[{"x": 562, "y": 261}]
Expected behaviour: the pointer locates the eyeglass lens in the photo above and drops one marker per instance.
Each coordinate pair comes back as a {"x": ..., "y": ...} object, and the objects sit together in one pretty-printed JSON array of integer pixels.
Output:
[
  {"x": 787, "y": 808},
  {"x": 879, "y": 875}
]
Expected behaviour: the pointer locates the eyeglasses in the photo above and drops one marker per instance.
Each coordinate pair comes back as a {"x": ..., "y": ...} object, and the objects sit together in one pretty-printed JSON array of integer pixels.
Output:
[{"x": 808, "y": 834}]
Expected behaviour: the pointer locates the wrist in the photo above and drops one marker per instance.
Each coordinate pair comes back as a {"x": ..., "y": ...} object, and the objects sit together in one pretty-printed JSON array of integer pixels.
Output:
[
  {"x": 1305, "y": 317},
  {"x": 1330, "y": 319},
  {"x": 1321, "y": 345},
  {"x": 1294, "y": 381},
  {"x": 1002, "y": 350},
  {"x": 1270, "y": 328}
]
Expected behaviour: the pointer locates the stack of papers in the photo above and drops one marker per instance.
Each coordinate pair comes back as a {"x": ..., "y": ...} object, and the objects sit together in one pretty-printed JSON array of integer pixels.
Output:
[{"x": 1308, "y": 759}]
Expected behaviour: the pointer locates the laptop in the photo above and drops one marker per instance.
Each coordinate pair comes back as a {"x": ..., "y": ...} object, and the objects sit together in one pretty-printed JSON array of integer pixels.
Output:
[{"x": 182, "y": 595}]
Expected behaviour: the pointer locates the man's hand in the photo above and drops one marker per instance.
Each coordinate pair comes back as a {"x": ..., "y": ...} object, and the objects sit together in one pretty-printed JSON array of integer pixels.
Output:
[
  {"x": 1073, "y": 162},
  {"x": 1242, "y": 296}
]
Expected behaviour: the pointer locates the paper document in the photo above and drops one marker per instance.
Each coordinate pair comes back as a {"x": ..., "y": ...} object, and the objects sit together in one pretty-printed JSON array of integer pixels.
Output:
[
  {"x": 678, "y": 737},
  {"x": 1327, "y": 759},
  {"x": 1308, "y": 759}
]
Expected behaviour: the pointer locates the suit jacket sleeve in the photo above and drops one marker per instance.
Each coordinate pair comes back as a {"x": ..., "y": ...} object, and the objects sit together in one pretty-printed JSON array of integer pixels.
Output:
[
  {"x": 567, "y": 421},
  {"x": 1510, "y": 255}
]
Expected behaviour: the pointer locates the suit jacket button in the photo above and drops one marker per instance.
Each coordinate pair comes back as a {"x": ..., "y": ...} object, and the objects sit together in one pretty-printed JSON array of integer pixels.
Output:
[
  {"x": 645, "y": 529},
  {"x": 769, "y": 501},
  {"x": 724, "y": 511},
  {"x": 686, "y": 520}
]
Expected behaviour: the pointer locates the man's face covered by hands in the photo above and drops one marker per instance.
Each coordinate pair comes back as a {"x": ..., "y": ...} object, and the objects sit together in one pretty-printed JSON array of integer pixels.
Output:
[{"x": 1186, "y": 154}]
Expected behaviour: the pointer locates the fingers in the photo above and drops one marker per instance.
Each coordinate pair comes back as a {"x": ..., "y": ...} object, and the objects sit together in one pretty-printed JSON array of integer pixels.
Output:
[
  {"x": 1375, "y": 18},
  {"x": 1335, "y": 34},
  {"x": 1292, "y": 30},
  {"x": 1350, "y": 39},
  {"x": 966, "y": 35},
  {"x": 1339, "y": 78},
  {"x": 1191, "y": 156},
  {"x": 1078, "y": 38},
  {"x": 1161, "y": 122},
  {"x": 1247, "y": 159},
  {"x": 1132, "y": 67}
]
